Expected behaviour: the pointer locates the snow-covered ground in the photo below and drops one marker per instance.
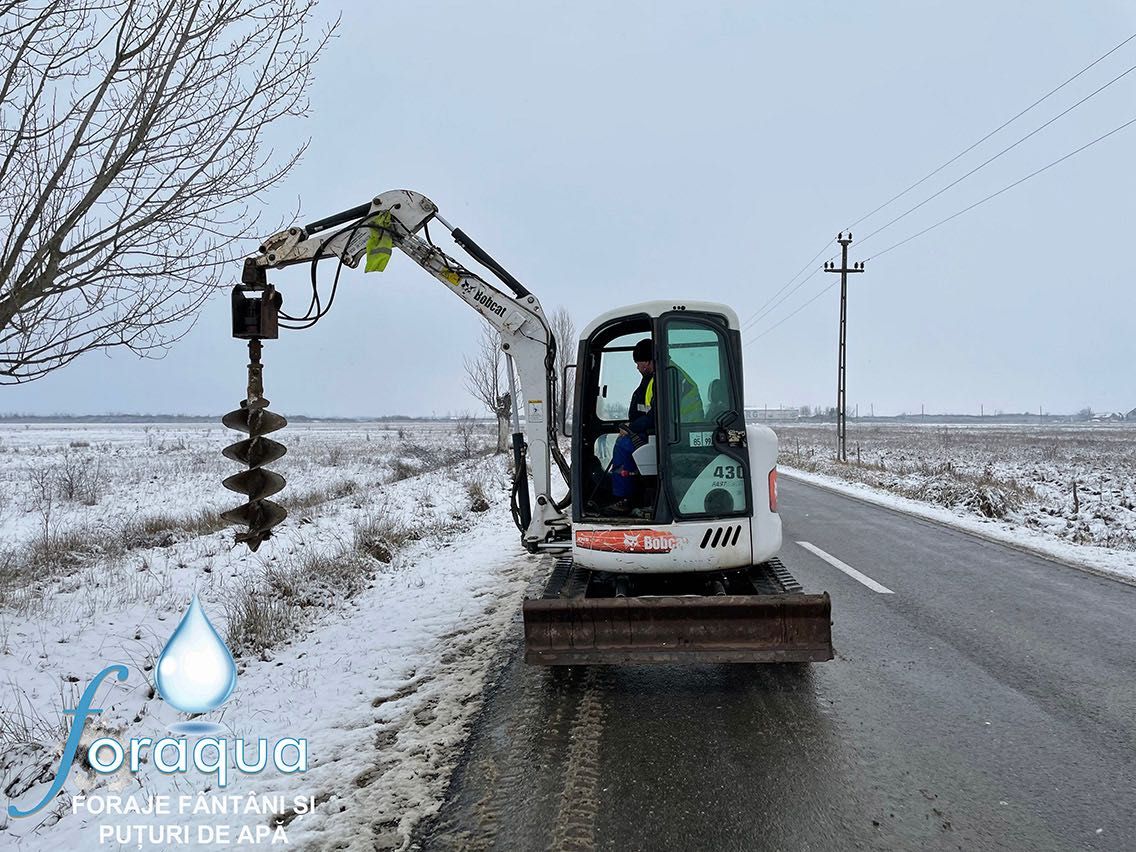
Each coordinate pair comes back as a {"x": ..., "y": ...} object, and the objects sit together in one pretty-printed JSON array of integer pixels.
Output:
[
  {"x": 369, "y": 624},
  {"x": 366, "y": 626},
  {"x": 1011, "y": 483}
]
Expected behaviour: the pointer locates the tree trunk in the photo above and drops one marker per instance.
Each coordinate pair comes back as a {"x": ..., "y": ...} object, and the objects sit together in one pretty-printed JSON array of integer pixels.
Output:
[{"x": 502, "y": 433}]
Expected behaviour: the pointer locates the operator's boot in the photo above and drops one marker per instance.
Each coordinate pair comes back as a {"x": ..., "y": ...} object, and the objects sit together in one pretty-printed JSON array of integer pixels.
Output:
[{"x": 619, "y": 507}]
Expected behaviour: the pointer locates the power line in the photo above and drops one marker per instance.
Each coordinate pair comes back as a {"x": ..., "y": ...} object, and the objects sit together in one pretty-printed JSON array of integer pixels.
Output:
[
  {"x": 1001, "y": 126},
  {"x": 770, "y": 305},
  {"x": 955, "y": 215},
  {"x": 999, "y": 154},
  {"x": 797, "y": 311},
  {"x": 768, "y": 308},
  {"x": 756, "y": 315},
  {"x": 1032, "y": 174},
  {"x": 756, "y": 319}
]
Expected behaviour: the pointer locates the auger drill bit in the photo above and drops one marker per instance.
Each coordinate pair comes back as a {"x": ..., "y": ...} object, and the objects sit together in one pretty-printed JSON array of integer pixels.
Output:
[{"x": 260, "y": 514}]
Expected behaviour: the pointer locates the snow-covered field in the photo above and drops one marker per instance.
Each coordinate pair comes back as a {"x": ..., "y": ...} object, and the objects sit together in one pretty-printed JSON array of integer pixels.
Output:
[
  {"x": 1011, "y": 482},
  {"x": 366, "y": 626}
]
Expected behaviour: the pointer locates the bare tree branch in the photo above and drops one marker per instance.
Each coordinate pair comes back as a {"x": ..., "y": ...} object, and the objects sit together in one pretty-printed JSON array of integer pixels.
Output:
[
  {"x": 131, "y": 160},
  {"x": 564, "y": 330}
]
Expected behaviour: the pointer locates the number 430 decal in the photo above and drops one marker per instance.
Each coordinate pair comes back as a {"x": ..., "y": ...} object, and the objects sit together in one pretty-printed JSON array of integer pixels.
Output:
[{"x": 729, "y": 471}]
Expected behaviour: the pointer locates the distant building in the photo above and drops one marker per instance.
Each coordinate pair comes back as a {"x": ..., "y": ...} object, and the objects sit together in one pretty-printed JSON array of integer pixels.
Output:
[
  {"x": 760, "y": 415},
  {"x": 1131, "y": 415}
]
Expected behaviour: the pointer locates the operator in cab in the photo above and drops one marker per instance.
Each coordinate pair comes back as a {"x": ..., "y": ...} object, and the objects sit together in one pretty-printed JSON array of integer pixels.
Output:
[
  {"x": 641, "y": 424},
  {"x": 633, "y": 435}
]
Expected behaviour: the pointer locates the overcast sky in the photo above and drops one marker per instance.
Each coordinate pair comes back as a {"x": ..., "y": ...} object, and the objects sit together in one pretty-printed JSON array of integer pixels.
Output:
[{"x": 609, "y": 153}]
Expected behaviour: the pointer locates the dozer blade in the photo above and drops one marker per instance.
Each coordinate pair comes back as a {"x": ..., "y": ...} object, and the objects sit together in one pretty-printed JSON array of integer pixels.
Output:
[{"x": 759, "y": 628}]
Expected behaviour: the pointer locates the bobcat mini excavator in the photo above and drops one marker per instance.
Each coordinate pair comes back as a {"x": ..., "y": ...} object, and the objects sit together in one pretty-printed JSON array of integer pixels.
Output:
[{"x": 691, "y": 573}]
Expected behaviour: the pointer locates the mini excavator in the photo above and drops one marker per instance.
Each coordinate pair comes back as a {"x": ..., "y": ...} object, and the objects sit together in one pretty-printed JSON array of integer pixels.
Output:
[{"x": 690, "y": 573}]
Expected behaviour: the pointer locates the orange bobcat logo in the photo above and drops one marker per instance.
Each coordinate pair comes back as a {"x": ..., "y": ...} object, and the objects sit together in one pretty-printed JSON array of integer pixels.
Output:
[{"x": 628, "y": 541}]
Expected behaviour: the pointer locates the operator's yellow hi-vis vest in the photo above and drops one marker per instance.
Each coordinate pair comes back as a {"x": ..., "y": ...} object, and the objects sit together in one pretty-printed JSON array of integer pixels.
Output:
[
  {"x": 380, "y": 244},
  {"x": 690, "y": 400}
]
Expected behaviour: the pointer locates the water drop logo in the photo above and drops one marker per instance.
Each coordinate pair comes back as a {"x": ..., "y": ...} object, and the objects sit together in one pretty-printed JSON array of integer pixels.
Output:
[{"x": 195, "y": 672}]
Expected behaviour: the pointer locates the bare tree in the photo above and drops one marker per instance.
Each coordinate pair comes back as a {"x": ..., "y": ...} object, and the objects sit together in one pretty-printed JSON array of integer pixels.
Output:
[
  {"x": 564, "y": 330},
  {"x": 487, "y": 381},
  {"x": 465, "y": 427},
  {"x": 131, "y": 158}
]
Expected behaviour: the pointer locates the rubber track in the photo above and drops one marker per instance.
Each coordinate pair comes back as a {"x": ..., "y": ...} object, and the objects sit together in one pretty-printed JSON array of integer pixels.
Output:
[
  {"x": 788, "y": 583},
  {"x": 559, "y": 578}
]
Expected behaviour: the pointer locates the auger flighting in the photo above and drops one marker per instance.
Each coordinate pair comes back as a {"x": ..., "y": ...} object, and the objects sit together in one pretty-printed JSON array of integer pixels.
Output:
[{"x": 255, "y": 319}]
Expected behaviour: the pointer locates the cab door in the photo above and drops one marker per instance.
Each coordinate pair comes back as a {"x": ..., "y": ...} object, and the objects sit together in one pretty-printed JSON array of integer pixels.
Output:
[
  {"x": 699, "y": 415},
  {"x": 605, "y": 379}
]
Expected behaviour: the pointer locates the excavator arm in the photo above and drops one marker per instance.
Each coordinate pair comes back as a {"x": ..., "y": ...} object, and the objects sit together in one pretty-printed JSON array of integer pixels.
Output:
[{"x": 526, "y": 338}]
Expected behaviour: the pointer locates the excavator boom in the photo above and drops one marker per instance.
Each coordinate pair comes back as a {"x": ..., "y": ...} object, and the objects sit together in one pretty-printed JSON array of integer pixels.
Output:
[{"x": 526, "y": 338}]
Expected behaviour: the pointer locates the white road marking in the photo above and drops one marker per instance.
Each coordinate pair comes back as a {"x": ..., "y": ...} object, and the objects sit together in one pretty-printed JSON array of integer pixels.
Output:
[{"x": 847, "y": 569}]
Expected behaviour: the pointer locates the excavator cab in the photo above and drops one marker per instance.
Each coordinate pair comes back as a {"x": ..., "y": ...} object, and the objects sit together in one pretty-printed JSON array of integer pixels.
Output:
[{"x": 695, "y": 463}]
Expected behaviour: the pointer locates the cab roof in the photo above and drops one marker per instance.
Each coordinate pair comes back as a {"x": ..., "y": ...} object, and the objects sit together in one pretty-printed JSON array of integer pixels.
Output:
[{"x": 659, "y": 307}]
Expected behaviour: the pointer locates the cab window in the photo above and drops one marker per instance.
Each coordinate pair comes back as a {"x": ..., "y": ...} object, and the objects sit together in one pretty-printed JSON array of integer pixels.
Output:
[{"x": 618, "y": 377}]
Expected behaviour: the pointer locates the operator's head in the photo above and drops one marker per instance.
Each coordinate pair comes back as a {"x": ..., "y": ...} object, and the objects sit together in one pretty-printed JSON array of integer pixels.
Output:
[{"x": 644, "y": 355}]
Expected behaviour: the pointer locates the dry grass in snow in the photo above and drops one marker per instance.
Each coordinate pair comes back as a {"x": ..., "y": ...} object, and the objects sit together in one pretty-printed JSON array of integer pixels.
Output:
[{"x": 1075, "y": 484}]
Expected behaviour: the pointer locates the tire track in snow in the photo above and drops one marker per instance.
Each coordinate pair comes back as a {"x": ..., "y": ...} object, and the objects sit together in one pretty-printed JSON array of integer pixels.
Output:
[
  {"x": 575, "y": 824},
  {"x": 504, "y": 778},
  {"x": 442, "y": 723},
  {"x": 539, "y": 712}
]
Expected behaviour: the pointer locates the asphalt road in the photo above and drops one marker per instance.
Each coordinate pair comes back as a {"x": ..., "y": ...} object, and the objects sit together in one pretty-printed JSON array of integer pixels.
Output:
[{"x": 989, "y": 702}]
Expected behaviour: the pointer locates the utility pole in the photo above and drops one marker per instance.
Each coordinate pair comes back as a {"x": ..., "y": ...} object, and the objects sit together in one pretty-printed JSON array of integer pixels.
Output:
[{"x": 841, "y": 386}]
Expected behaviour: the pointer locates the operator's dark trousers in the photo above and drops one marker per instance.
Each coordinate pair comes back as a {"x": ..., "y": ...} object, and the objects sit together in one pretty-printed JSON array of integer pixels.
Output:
[{"x": 623, "y": 467}]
